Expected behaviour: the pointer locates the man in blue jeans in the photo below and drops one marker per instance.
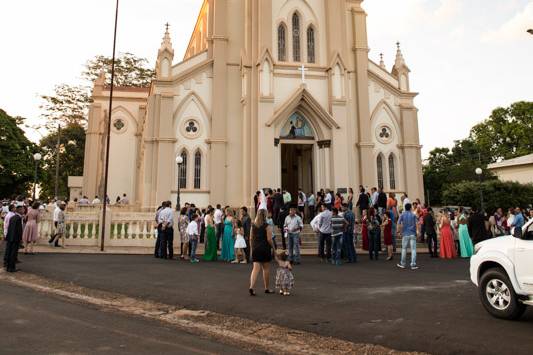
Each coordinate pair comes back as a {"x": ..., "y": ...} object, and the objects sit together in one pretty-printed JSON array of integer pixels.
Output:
[
  {"x": 407, "y": 228},
  {"x": 348, "y": 238},
  {"x": 293, "y": 226}
]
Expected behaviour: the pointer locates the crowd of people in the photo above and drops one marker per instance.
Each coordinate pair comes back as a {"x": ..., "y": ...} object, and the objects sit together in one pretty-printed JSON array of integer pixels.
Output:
[
  {"x": 340, "y": 220},
  {"x": 20, "y": 225}
]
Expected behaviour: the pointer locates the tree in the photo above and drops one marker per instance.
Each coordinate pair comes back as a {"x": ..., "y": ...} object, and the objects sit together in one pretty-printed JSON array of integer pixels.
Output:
[
  {"x": 71, "y": 153},
  {"x": 504, "y": 135},
  {"x": 69, "y": 104},
  {"x": 16, "y": 160},
  {"x": 129, "y": 70},
  {"x": 495, "y": 194}
]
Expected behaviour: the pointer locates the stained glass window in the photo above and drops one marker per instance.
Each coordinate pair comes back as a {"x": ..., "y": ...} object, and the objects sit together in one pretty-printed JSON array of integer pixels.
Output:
[
  {"x": 296, "y": 38},
  {"x": 311, "y": 44},
  {"x": 197, "y": 169},
  {"x": 281, "y": 43},
  {"x": 380, "y": 171},
  {"x": 392, "y": 173},
  {"x": 182, "y": 177}
]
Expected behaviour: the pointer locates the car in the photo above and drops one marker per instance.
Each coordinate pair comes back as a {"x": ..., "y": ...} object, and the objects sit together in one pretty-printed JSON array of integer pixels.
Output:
[{"x": 502, "y": 270}]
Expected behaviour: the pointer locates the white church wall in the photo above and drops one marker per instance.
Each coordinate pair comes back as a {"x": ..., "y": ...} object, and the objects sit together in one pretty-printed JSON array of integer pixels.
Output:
[
  {"x": 122, "y": 156},
  {"x": 383, "y": 119},
  {"x": 189, "y": 63},
  {"x": 234, "y": 132}
]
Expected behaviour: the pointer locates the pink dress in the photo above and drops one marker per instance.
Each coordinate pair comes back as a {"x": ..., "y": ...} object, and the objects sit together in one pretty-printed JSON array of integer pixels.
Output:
[{"x": 31, "y": 229}]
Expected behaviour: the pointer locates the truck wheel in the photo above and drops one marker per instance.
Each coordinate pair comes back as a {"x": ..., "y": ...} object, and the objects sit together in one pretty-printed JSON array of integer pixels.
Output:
[{"x": 498, "y": 296}]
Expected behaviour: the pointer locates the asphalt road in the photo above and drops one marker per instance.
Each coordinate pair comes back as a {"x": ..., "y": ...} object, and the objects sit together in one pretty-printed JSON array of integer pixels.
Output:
[
  {"x": 435, "y": 309},
  {"x": 35, "y": 323}
]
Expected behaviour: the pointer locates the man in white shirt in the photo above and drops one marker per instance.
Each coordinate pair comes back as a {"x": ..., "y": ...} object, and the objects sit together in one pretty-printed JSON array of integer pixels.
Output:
[
  {"x": 166, "y": 230},
  {"x": 55, "y": 220},
  {"x": 124, "y": 200},
  {"x": 193, "y": 232},
  {"x": 219, "y": 224},
  {"x": 374, "y": 197},
  {"x": 293, "y": 226},
  {"x": 324, "y": 226},
  {"x": 327, "y": 199},
  {"x": 96, "y": 200}
]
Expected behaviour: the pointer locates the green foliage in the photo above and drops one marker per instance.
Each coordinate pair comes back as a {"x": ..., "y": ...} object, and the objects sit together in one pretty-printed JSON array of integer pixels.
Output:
[
  {"x": 129, "y": 70},
  {"x": 505, "y": 134},
  {"x": 71, "y": 153},
  {"x": 495, "y": 194},
  {"x": 16, "y": 160},
  {"x": 68, "y": 105}
]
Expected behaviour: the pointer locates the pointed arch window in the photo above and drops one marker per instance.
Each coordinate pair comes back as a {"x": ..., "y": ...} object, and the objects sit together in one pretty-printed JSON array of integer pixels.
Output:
[
  {"x": 282, "y": 40},
  {"x": 310, "y": 44},
  {"x": 392, "y": 173},
  {"x": 296, "y": 38},
  {"x": 182, "y": 174},
  {"x": 197, "y": 169},
  {"x": 379, "y": 162}
]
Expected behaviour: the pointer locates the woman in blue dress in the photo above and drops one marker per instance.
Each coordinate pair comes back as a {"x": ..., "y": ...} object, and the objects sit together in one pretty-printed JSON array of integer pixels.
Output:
[
  {"x": 466, "y": 247},
  {"x": 228, "y": 243}
]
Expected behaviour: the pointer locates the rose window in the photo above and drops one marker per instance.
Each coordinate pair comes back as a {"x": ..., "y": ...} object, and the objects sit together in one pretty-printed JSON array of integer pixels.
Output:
[
  {"x": 191, "y": 127},
  {"x": 119, "y": 124}
]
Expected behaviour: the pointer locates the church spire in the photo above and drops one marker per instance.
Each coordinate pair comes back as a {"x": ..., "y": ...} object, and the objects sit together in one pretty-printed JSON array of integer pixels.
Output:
[
  {"x": 165, "y": 56},
  {"x": 381, "y": 62},
  {"x": 400, "y": 70}
]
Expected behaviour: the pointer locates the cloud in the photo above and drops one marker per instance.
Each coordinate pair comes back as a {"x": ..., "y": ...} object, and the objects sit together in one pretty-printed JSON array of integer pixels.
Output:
[{"x": 514, "y": 29}]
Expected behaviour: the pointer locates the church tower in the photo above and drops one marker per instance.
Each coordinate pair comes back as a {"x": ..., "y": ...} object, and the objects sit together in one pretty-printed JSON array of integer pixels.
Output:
[{"x": 270, "y": 94}]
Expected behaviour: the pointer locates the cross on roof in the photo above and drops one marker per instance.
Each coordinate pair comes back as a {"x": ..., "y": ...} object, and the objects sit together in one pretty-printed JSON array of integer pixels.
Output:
[{"x": 167, "y": 25}]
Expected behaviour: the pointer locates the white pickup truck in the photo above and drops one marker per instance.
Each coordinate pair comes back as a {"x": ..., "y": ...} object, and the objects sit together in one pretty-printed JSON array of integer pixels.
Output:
[{"x": 502, "y": 269}]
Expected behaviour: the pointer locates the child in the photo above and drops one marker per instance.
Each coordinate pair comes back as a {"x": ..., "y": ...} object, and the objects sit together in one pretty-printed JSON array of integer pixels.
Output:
[
  {"x": 284, "y": 276},
  {"x": 193, "y": 233},
  {"x": 240, "y": 244}
]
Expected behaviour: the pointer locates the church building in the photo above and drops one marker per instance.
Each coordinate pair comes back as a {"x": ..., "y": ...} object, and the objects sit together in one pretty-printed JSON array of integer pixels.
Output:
[{"x": 270, "y": 93}]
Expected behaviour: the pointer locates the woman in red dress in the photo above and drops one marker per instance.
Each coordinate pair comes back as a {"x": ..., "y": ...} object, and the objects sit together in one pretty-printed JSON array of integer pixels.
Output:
[
  {"x": 447, "y": 244},
  {"x": 364, "y": 230},
  {"x": 387, "y": 235}
]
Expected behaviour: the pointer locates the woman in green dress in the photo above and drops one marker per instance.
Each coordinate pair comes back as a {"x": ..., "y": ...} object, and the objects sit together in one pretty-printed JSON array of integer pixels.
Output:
[
  {"x": 227, "y": 253},
  {"x": 210, "y": 253},
  {"x": 465, "y": 243}
]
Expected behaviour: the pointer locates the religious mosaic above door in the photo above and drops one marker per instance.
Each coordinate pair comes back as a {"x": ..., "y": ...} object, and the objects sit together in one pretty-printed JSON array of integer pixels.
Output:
[{"x": 297, "y": 127}]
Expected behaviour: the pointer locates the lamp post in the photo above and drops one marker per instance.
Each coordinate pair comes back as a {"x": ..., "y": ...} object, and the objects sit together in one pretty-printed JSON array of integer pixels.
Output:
[
  {"x": 179, "y": 161},
  {"x": 479, "y": 172},
  {"x": 37, "y": 158}
]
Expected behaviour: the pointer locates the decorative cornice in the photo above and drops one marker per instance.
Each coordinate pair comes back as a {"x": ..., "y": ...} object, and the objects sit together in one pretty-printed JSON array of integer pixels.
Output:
[{"x": 160, "y": 140}]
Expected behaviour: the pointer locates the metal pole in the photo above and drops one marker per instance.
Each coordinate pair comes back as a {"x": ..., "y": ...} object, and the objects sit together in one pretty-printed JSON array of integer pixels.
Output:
[
  {"x": 481, "y": 194},
  {"x": 108, "y": 141},
  {"x": 58, "y": 146},
  {"x": 35, "y": 180},
  {"x": 178, "y": 207}
]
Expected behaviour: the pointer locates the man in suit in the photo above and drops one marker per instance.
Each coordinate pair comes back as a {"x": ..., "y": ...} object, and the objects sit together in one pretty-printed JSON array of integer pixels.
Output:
[{"x": 13, "y": 238}]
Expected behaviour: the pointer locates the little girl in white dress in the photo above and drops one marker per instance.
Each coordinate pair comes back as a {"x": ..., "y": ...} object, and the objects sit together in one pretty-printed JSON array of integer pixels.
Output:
[{"x": 240, "y": 245}]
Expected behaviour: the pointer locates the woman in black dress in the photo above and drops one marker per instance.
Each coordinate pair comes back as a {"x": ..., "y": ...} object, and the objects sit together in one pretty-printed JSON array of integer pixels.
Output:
[{"x": 261, "y": 246}]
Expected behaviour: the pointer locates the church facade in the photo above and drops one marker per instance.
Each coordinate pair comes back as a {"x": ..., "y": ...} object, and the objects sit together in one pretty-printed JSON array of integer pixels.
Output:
[{"x": 271, "y": 93}]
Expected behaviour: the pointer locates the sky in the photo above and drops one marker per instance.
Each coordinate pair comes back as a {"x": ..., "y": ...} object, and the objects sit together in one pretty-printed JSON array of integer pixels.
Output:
[{"x": 466, "y": 57}]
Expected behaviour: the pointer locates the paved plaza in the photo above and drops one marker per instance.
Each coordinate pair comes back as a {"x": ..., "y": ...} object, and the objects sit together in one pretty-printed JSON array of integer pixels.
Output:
[{"x": 435, "y": 309}]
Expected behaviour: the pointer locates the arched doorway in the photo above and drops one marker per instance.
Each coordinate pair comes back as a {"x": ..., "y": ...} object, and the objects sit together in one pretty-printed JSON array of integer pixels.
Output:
[{"x": 297, "y": 141}]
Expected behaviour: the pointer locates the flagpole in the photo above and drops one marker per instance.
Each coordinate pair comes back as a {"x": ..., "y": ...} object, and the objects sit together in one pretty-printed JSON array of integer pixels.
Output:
[{"x": 108, "y": 138}]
